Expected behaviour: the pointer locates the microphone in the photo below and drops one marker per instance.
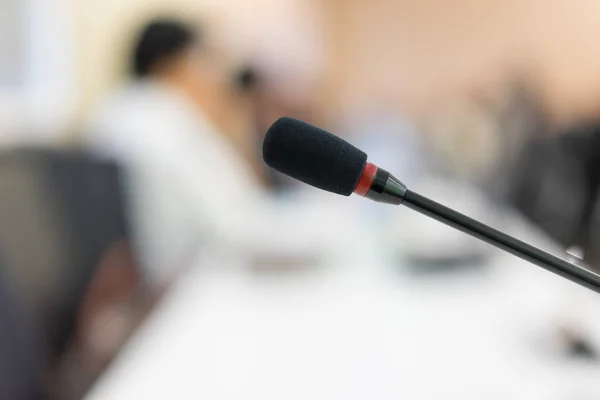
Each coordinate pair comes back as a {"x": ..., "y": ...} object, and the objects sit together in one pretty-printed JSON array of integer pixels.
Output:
[{"x": 325, "y": 161}]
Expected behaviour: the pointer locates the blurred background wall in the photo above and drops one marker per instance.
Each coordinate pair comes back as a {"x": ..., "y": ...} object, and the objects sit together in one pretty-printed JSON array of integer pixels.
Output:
[
  {"x": 414, "y": 55},
  {"x": 420, "y": 53},
  {"x": 103, "y": 35},
  {"x": 39, "y": 73}
]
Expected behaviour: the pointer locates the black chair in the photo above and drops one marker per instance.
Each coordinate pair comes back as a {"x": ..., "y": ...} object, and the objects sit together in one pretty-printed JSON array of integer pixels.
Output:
[
  {"x": 556, "y": 183},
  {"x": 59, "y": 213},
  {"x": 21, "y": 364}
]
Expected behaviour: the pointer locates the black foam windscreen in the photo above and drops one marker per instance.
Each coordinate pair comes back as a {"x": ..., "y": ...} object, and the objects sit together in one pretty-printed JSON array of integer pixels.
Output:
[{"x": 313, "y": 156}]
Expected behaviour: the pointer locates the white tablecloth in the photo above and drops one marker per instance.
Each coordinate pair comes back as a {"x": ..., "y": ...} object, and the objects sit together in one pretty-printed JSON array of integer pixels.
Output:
[{"x": 355, "y": 329}]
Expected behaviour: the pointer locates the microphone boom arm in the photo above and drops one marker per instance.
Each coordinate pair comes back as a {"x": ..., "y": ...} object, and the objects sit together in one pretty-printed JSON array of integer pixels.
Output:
[
  {"x": 386, "y": 188},
  {"x": 325, "y": 161}
]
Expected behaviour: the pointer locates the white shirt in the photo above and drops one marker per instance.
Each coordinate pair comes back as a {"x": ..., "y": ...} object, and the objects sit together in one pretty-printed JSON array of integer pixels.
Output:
[{"x": 187, "y": 186}]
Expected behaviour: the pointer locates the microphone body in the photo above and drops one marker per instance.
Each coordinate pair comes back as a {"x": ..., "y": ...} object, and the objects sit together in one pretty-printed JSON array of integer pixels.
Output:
[{"x": 379, "y": 185}]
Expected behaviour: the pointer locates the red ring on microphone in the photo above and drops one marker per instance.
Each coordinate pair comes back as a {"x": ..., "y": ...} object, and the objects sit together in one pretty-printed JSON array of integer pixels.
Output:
[{"x": 366, "y": 180}]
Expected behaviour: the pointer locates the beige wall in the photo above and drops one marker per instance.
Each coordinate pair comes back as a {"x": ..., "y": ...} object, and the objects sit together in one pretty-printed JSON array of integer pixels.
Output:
[
  {"x": 103, "y": 32},
  {"x": 412, "y": 54},
  {"x": 274, "y": 32},
  {"x": 420, "y": 53}
]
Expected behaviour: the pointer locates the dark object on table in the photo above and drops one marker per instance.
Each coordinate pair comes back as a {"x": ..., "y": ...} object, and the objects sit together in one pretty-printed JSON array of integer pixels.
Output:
[
  {"x": 577, "y": 344},
  {"x": 581, "y": 348}
]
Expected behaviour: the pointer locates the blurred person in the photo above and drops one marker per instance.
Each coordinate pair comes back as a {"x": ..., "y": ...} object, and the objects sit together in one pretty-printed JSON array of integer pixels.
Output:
[
  {"x": 267, "y": 104},
  {"x": 264, "y": 111},
  {"x": 556, "y": 182},
  {"x": 550, "y": 174},
  {"x": 187, "y": 185}
]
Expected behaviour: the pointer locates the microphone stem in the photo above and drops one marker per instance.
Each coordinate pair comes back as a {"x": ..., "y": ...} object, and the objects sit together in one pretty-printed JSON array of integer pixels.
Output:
[{"x": 502, "y": 241}]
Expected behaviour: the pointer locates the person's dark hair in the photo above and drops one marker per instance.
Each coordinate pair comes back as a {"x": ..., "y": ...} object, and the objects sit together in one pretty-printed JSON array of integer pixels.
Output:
[{"x": 159, "y": 40}]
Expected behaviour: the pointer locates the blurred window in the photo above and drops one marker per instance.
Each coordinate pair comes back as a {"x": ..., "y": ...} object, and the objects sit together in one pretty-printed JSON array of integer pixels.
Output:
[
  {"x": 36, "y": 67},
  {"x": 11, "y": 42}
]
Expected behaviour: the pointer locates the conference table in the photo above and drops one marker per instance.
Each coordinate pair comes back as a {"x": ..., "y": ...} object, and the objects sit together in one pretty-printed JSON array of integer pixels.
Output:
[{"x": 357, "y": 326}]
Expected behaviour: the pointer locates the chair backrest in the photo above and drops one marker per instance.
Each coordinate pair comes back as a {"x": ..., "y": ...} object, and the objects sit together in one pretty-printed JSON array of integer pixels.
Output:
[
  {"x": 21, "y": 363},
  {"x": 59, "y": 212},
  {"x": 550, "y": 187}
]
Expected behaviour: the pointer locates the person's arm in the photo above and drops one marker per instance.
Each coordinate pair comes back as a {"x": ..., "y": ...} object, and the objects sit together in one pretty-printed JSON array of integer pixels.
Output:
[
  {"x": 212, "y": 182},
  {"x": 212, "y": 179}
]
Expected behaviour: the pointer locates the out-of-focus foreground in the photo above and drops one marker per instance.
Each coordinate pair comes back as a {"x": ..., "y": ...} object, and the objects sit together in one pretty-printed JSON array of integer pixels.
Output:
[{"x": 147, "y": 252}]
